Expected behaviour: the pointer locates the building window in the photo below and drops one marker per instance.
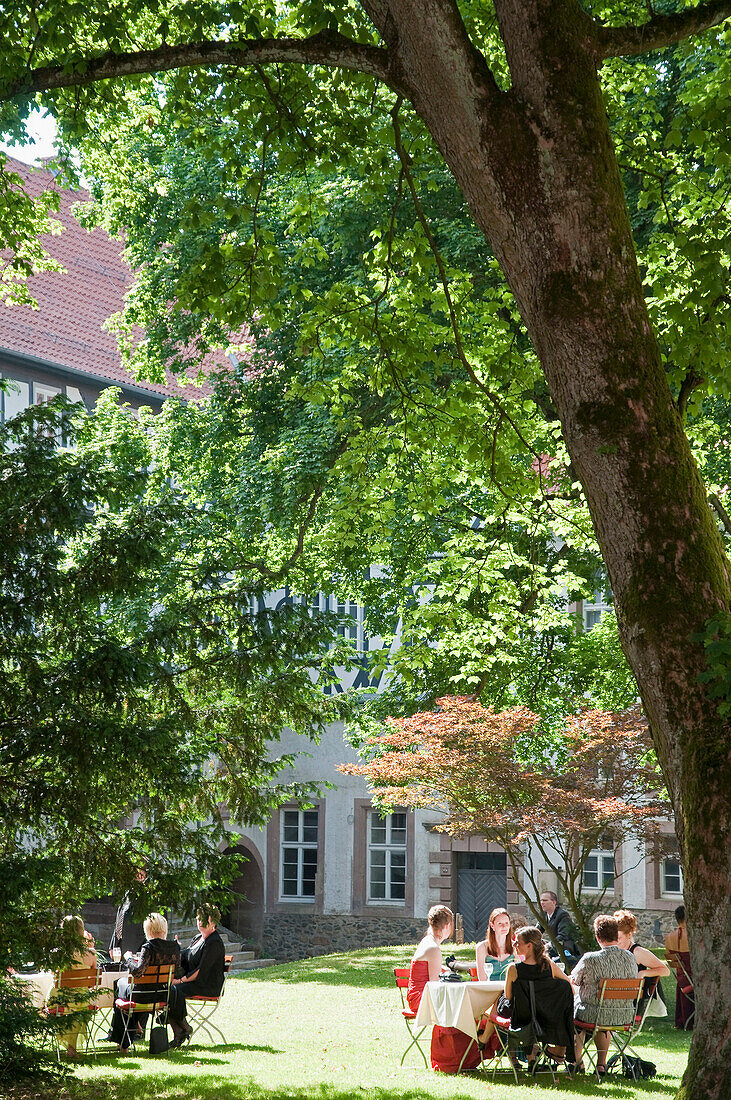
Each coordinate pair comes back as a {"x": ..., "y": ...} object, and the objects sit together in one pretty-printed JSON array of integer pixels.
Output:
[
  {"x": 43, "y": 394},
  {"x": 387, "y": 857},
  {"x": 595, "y": 608},
  {"x": 15, "y": 398},
  {"x": 671, "y": 877},
  {"x": 598, "y": 870},
  {"x": 299, "y": 853}
]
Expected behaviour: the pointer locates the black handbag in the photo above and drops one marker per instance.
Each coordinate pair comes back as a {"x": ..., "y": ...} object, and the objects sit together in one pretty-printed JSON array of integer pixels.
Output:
[
  {"x": 159, "y": 1042},
  {"x": 529, "y": 1034}
]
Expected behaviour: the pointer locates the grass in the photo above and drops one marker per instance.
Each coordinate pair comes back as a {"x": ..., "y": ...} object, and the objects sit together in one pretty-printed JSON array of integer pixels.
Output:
[{"x": 329, "y": 1029}]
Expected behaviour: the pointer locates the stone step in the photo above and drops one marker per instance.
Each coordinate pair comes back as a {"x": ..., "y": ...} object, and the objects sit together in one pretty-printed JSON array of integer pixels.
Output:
[
  {"x": 240, "y": 956},
  {"x": 251, "y": 964}
]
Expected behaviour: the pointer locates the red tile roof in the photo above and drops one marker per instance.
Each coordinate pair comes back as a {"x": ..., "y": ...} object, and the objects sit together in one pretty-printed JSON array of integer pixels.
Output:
[{"x": 67, "y": 328}]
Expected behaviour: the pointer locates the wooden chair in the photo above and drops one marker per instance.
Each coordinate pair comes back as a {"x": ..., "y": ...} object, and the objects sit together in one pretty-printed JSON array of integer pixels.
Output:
[
  {"x": 612, "y": 990},
  {"x": 149, "y": 993},
  {"x": 67, "y": 998},
  {"x": 201, "y": 1009},
  {"x": 401, "y": 974}
]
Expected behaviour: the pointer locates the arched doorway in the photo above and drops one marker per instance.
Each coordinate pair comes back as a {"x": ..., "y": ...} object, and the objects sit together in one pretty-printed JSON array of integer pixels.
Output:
[{"x": 245, "y": 912}]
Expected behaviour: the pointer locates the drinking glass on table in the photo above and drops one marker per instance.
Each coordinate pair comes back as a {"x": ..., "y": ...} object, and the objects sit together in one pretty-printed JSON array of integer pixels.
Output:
[{"x": 116, "y": 954}]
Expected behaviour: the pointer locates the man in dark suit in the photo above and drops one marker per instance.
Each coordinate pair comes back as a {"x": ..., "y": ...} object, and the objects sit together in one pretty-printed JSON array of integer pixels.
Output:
[
  {"x": 204, "y": 961},
  {"x": 128, "y": 935},
  {"x": 559, "y": 926}
]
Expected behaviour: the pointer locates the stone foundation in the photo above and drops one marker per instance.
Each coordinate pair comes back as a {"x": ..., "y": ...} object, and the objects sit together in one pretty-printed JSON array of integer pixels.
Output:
[{"x": 300, "y": 936}]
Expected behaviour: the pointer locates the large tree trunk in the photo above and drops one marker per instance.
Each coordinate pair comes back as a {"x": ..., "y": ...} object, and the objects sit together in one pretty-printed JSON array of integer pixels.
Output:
[{"x": 537, "y": 168}]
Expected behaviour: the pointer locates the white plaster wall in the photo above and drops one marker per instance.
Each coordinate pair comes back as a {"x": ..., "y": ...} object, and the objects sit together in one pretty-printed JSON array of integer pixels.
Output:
[{"x": 632, "y": 886}]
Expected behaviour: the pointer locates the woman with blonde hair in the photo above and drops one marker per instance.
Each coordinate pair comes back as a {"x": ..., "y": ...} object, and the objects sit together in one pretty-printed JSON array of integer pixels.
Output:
[
  {"x": 156, "y": 951},
  {"x": 496, "y": 948},
  {"x": 73, "y": 1000}
]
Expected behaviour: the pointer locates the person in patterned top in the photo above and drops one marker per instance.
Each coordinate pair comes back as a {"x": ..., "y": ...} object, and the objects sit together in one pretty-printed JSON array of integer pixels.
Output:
[{"x": 610, "y": 961}]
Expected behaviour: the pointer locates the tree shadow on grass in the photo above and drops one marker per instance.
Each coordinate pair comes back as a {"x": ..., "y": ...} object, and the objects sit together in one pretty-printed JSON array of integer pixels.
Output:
[
  {"x": 191, "y": 1086},
  {"x": 193, "y": 1083}
]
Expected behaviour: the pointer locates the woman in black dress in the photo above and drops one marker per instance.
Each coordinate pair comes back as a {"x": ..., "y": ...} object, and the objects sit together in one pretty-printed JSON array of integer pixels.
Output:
[{"x": 554, "y": 997}]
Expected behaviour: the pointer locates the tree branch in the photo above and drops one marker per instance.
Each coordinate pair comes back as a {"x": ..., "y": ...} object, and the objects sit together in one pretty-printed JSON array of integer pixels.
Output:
[
  {"x": 721, "y": 512},
  {"x": 661, "y": 30},
  {"x": 328, "y": 48}
]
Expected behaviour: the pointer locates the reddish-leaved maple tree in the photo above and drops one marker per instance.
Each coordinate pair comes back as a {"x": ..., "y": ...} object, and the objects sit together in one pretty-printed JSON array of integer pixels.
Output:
[{"x": 545, "y": 799}]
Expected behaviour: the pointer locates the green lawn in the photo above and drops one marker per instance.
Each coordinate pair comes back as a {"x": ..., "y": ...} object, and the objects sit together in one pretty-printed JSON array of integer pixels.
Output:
[{"x": 328, "y": 1029}]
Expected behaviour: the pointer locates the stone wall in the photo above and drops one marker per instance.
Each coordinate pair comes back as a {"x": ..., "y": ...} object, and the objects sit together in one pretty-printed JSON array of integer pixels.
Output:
[{"x": 288, "y": 937}]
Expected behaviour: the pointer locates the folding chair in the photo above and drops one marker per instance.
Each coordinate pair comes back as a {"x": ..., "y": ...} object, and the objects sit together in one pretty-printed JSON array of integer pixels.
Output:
[
  {"x": 612, "y": 990},
  {"x": 401, "y": 974},
  {"x": 149, "y": 993},
  {"x": 200, "y": 1009},
  {"x": 503, "y": 1049},
  {"x": 68, "y": 999}
]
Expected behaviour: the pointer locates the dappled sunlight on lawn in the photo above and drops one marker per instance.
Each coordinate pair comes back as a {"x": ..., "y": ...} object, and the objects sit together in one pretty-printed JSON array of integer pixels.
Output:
[{"x": 330, "y": 1028}]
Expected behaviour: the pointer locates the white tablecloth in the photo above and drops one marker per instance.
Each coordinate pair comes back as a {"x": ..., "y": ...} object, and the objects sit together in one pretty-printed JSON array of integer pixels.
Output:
[
  {"x": 457, "y": 1005},
  {"x": 40, "y": 985}
]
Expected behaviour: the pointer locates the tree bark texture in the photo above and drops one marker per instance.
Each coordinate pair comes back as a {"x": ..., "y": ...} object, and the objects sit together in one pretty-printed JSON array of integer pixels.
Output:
[{"x": 537, "y": 168}]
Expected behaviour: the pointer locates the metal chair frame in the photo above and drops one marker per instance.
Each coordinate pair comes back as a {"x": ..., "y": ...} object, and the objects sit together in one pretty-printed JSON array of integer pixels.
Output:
[
  {"x": 401, "y": 974},
  {"x": 157, "y": 975},
  {"x": 509, "y": 1044},
  {"x": 610, "y": 990},
  {"x": 201, "y": 1009}
]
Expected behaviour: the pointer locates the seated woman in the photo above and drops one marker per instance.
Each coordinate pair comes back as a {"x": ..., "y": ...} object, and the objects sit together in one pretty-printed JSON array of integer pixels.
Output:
[
  {"x": 553, "y": 995},
  {"x": 203, "y": 963},
  {"x": 495, "y": 951},
  {"x": 678, "y": 956},
  {"x": 426, "y": 962},
  {"x": 649, "y": 966},
  {"x": 610, "y": 961},
  {"x": 74, "y": 1000},
  {"x": 156, "y": 951}
]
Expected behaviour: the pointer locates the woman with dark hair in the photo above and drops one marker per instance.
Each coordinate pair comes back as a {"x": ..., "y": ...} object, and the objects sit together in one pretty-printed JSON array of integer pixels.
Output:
[
  {"x": 495, "y": 950},
  {"x": 678, "y": 955},
  {"x": 553, "y": 996}
]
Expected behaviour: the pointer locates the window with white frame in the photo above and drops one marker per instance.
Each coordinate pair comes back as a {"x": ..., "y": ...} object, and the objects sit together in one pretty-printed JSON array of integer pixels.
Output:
[
  {"x": 595, "y": 608},
  {"x": 598, "y": 870},
  {"x": 671, "y": 877},
  {"x": 15, "y": 398},
  {"x": 387, "y": 856},
  {"x": 298, "y": 847},
  {"x": 43, "y": 394}
]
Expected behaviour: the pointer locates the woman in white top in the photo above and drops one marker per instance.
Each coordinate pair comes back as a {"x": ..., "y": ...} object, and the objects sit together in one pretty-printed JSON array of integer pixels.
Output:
[{"x": 426, "y": 962}]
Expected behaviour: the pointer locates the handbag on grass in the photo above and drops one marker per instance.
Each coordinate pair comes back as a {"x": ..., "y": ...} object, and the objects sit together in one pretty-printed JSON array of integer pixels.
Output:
[{"x": 159, "y": 1041}]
